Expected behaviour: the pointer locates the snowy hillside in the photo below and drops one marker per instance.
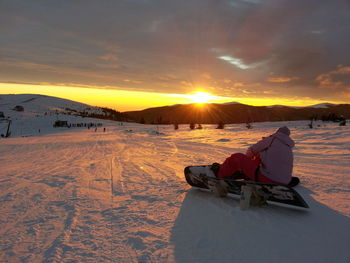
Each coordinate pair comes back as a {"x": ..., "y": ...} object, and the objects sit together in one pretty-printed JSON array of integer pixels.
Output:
[
  {"x": 322, "y": 105},
  {"x": 39, "y": 104},
  {"x": 85, "y": 195},
  {"x": 317, "y": 106},
  {"x": 31, "y": 113}
]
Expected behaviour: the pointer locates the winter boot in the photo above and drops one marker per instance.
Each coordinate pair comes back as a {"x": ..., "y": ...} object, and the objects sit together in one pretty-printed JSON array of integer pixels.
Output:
[
  {"x": 209, "y": 172},
  {"x": 246, "y": 194},
  {"x": 294, "y": 181},
  {"x": 215, "y": 167},
  {"x": 217, "y": 187},
  {"x": 256, "y": 199}
]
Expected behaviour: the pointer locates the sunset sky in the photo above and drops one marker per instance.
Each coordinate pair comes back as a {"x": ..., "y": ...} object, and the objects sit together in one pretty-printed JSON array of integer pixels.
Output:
[{"x": 135, "y": 54}]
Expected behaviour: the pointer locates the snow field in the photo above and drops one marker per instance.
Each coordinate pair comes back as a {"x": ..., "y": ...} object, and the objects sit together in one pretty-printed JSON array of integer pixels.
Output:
[{"x": 76, "y": 195}]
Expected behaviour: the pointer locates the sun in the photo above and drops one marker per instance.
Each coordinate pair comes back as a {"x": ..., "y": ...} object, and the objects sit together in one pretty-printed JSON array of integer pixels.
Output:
[{"x": 201, "y": 97}]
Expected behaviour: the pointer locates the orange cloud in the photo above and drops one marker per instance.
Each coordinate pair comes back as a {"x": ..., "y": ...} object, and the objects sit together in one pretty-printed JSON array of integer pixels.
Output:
[
  {"x": 109, "y": 57},
  {"x": 327, "y": 79},
  {"x": 343, "y": 70},
  {"x": 132, "y": 81},
  {"x": 206, "y": 76},
  {"x": 280, "y": 79},
  {"x": 238, "y": 84}
]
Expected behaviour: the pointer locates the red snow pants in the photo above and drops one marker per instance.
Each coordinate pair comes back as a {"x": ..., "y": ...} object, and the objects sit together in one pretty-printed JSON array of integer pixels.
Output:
[{"x": 240, "y": 162}]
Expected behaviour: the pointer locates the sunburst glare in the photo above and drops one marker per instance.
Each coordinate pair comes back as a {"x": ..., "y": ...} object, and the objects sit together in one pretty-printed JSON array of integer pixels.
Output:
[{"x": 202, "y": 97}]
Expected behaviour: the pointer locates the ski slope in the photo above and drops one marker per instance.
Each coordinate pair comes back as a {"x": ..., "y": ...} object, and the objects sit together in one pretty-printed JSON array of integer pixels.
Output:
[{"x": 80, "y": 195}]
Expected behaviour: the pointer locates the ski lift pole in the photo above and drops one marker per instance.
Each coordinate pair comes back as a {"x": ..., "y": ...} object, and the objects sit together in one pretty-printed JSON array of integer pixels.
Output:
[{"x": 8, "y": 129}]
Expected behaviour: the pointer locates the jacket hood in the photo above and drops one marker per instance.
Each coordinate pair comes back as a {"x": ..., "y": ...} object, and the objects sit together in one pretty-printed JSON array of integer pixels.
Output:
[
  {"x": 284, "y": 130},
  {"x": 284, "y": 138}
]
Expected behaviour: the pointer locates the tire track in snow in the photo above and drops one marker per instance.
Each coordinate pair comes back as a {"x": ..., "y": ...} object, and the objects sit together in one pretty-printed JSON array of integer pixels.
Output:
[
  {"x": 56, "y": 186},
  {"x": 112, "y": 177},
  {"x": 61, "y": 248},
  {"x": 116, "y": 167},
  {"x": 117, "y": 181},
  {"x": 117, "y": 249},
  {"x": 58, "y": 248},
  {"x": 148, "y": 187},
  {"x": 133, "y": 203}
]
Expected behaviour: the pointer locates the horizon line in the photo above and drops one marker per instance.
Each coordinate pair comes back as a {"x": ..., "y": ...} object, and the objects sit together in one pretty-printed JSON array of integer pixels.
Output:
[
  {"x": 179, "y": 104},
  {"x": 124, "y": 100}
]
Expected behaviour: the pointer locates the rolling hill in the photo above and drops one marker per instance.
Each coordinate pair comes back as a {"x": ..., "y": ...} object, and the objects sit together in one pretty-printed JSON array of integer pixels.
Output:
[
  {"x": 31, "y": 105},
  {"x": 237, "y": 113}
]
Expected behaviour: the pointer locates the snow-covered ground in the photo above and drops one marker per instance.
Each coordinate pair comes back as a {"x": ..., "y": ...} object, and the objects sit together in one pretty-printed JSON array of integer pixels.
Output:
[
  {"x": 80, "y": 195},
  {"x": 40, "y": 113}
]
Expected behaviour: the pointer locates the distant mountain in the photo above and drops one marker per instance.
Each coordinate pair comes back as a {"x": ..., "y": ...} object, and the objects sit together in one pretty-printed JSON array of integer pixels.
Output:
[
  {"x": 237, "y": 113},
  {"x": 230, "y": 103},
  {"x": 29, "y": 105},
  {"x": 323, "y": 105}
]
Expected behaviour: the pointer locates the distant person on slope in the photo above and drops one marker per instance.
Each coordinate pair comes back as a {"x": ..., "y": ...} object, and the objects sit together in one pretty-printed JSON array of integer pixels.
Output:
[{"x": 270, "y": 161}]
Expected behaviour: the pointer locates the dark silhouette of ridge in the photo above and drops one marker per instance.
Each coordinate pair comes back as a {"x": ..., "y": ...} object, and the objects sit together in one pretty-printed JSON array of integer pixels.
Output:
[{"x": 212, "y": 113}]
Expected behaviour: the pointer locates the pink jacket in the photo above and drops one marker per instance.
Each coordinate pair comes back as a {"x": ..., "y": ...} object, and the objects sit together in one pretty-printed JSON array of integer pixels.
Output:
[{"x": 276, "y": 157}]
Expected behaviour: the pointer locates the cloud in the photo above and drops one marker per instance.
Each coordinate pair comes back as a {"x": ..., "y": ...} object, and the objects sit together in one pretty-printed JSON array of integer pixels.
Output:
[
  {"x": 206, "y": 76},
  {"x": 132, "y": 81},
  {"x": 174, "y": 46},
  {"x": 280, "y": 79},
  {"x": 330, "y": 79},
  {"x": 109, "y": 57},
  {"x": 237, "y": 62}
]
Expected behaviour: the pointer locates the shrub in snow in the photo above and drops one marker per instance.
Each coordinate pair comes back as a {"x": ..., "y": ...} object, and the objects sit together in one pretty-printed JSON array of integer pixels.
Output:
[
  {"x": 18, "y": 108},
  {"x": 221, "y": 125}
]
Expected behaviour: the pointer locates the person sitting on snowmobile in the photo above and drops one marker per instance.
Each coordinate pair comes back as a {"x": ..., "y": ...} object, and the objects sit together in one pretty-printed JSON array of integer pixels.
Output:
[{"x": 270, "y": 161}]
